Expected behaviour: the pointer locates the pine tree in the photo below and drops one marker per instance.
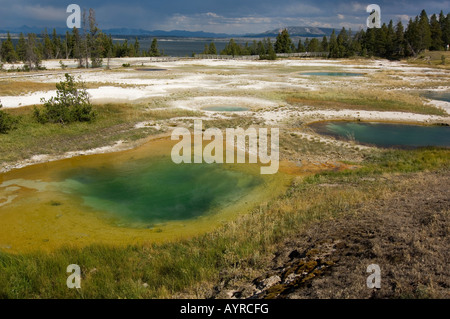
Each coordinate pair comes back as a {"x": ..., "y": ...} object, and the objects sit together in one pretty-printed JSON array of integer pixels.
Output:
[
  {"x": 232, "y": 48},
  {"x": 343, "y": 44},
  {"x": 261, "y": 50},
  {"x": 334, "y": 50},
  {"x": 283, "y": 44},
  {"x": 324, "y": 45},
  {"x": 78, "y": 47},
  {"x": 95, "y": 41},
  {"x": 411, "y": 37},
  {"x": 21, "y": 47},
  {"x": 56, "y": 44},
  {"x": 154, "y": 51},
  {"x": 212, "y": 48},
  {"x": 370, "y": 41},
  {"x": 306, "y": 44},
  {"x": 424, "y": 33},
  {"x": 314, "y": 45},
  {"x": 68, "y": 45},
  {"x": 444, "y": 22},
  {"x": 8, "y": 52},
  {"x": 380, "y": 41},
  {"x": 300, "y": 47},
  {"x": 356, "y": 46},
  {"x": 399, "y": 40},
  {"x": 48, "y": 46},
  {"x": 271, "y": 54},
  {"x": 137, "y": 47},
  {"x": 254, "y": 48},
  {"x": 390, "y": 41},
  {"x": 436, "y": 34}
]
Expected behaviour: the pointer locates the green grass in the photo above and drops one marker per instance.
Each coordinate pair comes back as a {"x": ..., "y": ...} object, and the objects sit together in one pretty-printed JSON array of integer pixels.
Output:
[
  {"x": 191, "y": 266},
  {"x": 363, "y": 99},
  {"x": 432, "y": 59},
  {"x": 114, "y": 122},
  {"x": 32, "y": 138}
]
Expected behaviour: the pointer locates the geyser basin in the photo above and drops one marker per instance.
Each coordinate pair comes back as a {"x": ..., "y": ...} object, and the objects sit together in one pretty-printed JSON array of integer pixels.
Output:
[
  {"x": 386, "y": 135},
  {"x": 124, "y": 198},
  {"x": 332, "y": 74},
  {"x": 225, "y": 109}
]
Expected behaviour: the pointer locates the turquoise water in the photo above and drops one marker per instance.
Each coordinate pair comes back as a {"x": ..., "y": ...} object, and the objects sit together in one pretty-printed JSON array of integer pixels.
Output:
[
  {"x": 226, "y": 109},
  {"x": 441, "y": 96},
  {"x": 332, "y": 74},
  {"x": 157, "y": 190},
  {"x": 151, "y": 70},
  {"x": 387, "y": 135}
]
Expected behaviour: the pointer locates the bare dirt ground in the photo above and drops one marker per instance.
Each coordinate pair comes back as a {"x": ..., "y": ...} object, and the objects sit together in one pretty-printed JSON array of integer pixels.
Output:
[{"x": 406, "y": 235}]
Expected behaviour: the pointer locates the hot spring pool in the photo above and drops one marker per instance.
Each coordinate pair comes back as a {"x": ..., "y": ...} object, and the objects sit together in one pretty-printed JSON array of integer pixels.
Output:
[
  {"x": 386, "y": 135},
  {"x": 124, "y": 198},
  {"x": 157, "y": 190},
  {"x": 151, "y": 70},
  {"x": 226, "y": 109},
  {"x": 332, "y": 74},
  {"x": 440, "y": 96}
]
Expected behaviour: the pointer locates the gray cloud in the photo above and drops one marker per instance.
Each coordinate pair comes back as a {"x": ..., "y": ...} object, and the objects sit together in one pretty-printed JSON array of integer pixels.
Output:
[{"x": 232, "y": 16}]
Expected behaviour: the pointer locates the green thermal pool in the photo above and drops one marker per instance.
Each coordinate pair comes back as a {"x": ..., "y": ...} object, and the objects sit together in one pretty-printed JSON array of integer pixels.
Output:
[
  {"x": 123, "y": 198},
  {"x": 332, "y": 74},
  {"x": 386, "y": 135},
  {"x": 157, "y": 190},
  {"x": 225, "y": 109},
  {"x": 437, "y": 95}
]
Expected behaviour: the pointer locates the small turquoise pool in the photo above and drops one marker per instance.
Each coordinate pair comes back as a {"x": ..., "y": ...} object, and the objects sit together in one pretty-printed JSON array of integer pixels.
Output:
[
  {"x": 436, "y": 95},
  {"x": 386, "y": 135},
  {"x": 226, "y": 109},
  {"x": 333, "y": 74},
  {"x": 151, "y": 70}
]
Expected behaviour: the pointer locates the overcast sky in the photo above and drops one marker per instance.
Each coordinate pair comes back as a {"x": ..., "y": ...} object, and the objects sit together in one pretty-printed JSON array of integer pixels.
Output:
[{"x": 223, "y": 16}]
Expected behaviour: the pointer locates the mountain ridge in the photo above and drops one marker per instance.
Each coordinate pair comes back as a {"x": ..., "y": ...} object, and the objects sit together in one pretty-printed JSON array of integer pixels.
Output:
[{"x": 302, "y": 31}]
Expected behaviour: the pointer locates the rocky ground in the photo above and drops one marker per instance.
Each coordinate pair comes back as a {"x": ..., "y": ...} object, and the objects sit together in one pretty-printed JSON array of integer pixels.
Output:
[{"x": 406, "y": 235}]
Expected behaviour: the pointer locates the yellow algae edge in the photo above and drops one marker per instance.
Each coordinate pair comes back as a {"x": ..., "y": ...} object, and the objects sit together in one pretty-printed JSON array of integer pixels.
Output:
[{"x": 46, "y": 220}]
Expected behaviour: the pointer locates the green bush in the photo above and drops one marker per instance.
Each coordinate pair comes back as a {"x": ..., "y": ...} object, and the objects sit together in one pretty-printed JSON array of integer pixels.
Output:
[
  {"x": 7, "y": 122},
  {"x": 71, "y": 104}
]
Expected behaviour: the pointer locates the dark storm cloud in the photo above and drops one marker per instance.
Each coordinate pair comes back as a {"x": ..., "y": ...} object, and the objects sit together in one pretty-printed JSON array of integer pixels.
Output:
[{"x": 232, "y": 16}]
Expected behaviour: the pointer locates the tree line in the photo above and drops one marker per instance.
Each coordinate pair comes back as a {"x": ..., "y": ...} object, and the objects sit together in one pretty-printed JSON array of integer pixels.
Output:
[
  {"x": 264, "y": 49},
  {"x": 89, "y": 45},
  {"x": 389, "y": 41}
]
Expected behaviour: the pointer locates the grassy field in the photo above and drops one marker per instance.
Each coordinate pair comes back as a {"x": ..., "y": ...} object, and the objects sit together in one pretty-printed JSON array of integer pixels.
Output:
[
  {"x": 115, "y": 122},
  {"x": 432, "y": 59},
  {"x": 192, "y": 267},
  {"x": 363, "y": 99}
]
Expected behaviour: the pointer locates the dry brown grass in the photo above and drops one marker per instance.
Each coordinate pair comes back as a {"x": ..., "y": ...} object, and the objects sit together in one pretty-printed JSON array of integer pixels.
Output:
[
  {"x": 362, "y": 99},
  {"x": 13, "y": 88}
]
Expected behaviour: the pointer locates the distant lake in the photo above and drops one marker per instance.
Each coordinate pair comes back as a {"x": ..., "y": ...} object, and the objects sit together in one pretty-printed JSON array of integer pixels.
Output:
[
  {"x": 178, "y": 47},
  {"x": 181, "y": 47}
]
